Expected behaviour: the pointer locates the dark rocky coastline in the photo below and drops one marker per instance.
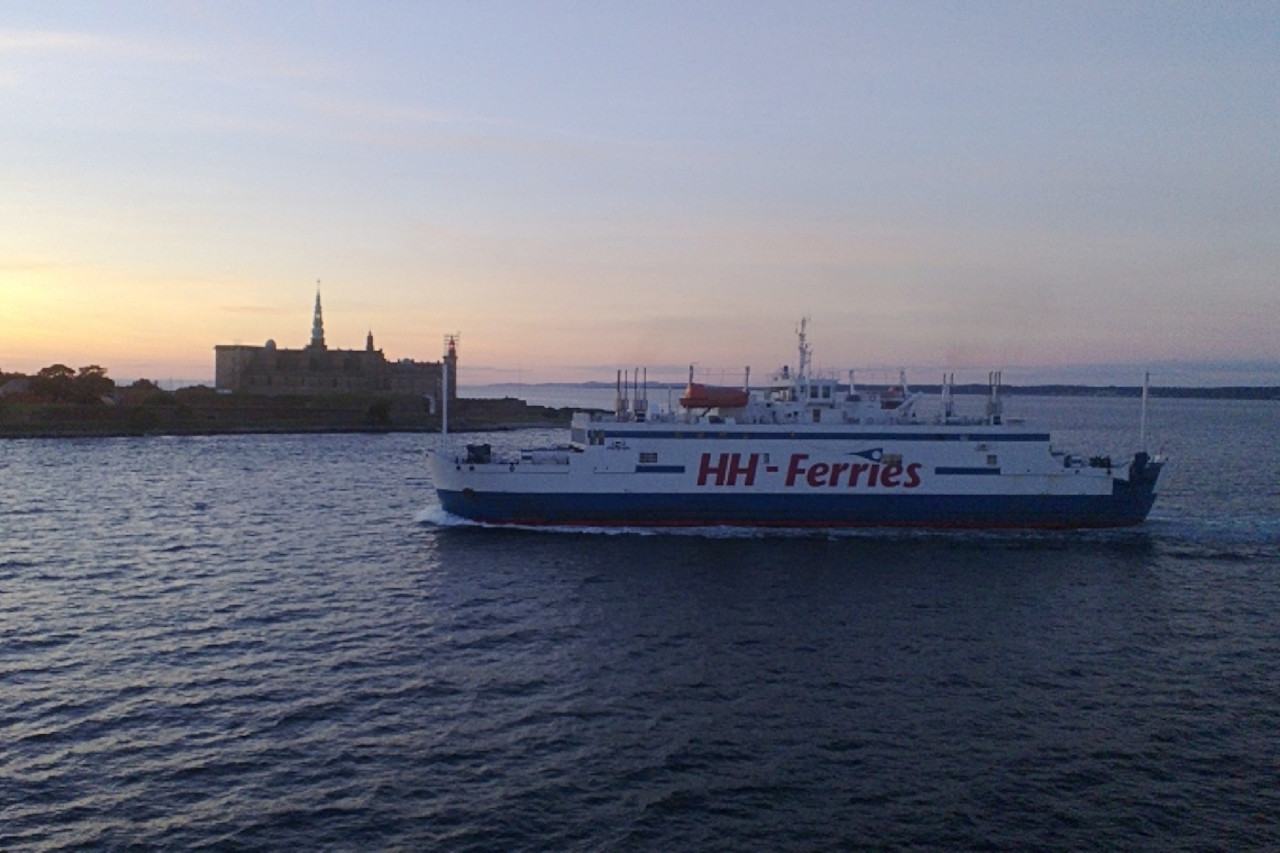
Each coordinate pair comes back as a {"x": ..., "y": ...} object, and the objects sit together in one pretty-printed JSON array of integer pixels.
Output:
[{"x": 202, "y": 411}]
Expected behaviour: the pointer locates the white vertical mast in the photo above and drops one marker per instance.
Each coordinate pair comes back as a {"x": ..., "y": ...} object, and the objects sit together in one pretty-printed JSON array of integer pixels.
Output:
[
  {"x": 1142, "y": 425},
  {"x": 802, "y": 379}
]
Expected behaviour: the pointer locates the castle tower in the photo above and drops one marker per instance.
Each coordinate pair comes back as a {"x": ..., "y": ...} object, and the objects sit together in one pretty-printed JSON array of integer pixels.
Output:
[
  {"x": 449, "y": 364},
  {"x": 317, "y": 324}
]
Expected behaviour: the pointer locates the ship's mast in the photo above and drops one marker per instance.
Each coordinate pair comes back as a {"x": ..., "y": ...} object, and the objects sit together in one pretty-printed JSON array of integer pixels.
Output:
[
  {"x": 642, "y": 395},
  {"x": 802, "y": 375},
  {"x": 995, "y": 407},
  {"x": 1142, "y": 426}
]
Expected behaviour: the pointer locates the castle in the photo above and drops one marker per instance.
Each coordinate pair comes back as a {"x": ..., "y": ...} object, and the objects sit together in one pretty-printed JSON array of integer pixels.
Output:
[{"x": 316, "y": 370}]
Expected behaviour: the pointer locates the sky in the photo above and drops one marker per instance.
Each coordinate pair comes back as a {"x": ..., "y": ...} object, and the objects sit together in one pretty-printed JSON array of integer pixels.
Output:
[{"x": 1064, "y": 191}]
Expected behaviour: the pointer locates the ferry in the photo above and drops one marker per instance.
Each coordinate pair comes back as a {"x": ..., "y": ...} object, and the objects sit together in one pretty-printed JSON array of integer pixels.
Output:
[{"x": 803, "y": 451}]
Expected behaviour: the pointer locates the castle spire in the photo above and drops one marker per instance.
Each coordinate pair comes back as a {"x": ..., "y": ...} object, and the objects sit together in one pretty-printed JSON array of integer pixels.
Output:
[{"x": 317, "y": 324}]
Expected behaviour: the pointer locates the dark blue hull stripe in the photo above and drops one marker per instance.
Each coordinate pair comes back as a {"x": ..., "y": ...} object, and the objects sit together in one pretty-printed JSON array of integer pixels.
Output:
[
  {"x": 1127, "y": 506},
  {"x": 659, "y": 469},
  {"x": 801, "y": 435}
]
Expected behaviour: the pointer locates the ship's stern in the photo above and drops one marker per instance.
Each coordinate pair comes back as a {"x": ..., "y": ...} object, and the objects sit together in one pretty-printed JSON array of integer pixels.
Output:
[{"x": 1137, "y": 495}]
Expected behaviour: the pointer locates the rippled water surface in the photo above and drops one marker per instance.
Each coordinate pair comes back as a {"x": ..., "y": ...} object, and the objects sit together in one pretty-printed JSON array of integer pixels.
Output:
[{"x": 265, "y": 642}]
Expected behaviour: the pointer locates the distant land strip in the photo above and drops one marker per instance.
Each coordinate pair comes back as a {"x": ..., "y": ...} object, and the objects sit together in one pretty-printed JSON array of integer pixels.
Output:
[
  {"x": 1235, "y": 392},
  {"x": 1226, "y": 392}
]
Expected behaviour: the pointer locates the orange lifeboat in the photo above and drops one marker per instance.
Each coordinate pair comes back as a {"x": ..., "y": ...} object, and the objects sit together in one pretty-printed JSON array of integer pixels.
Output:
[
  {"x": 892, "y": 398},
  {"x": 698, "y": 396}
]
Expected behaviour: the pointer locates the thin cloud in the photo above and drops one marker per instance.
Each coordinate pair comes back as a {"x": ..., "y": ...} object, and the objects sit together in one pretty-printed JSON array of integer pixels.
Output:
[
  {"x": 399, "y": 126},
  {"x": 36, "y": 41},
  {"x": 257, "y": 310},
  {"x": 57, "y": 43}
]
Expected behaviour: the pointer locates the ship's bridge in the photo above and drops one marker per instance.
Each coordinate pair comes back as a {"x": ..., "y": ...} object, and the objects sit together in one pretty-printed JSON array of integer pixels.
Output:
[{"x": 786, "y": 386}]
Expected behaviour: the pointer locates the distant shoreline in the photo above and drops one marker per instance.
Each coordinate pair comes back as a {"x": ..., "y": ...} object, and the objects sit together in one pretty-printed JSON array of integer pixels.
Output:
[{"x": 1209, "y": 392}]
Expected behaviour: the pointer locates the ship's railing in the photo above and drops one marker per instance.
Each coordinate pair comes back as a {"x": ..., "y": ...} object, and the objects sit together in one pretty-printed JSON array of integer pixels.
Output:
[
  {"x": 653, "y": 417},
  {"x": 483, "y": 454}
]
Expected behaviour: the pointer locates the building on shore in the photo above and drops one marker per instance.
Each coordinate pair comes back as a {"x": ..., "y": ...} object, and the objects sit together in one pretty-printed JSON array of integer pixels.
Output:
[{"x": 316, "y": 370}]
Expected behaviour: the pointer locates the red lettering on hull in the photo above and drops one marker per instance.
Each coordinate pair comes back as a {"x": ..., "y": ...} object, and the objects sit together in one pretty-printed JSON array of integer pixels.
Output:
[
  {"x": 738, "y": 469},
  {"x": 727, "y": 469}
]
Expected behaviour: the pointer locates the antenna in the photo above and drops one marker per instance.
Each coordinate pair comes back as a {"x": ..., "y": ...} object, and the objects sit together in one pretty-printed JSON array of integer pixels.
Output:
[
  {"x": 804, "y": 348},
  {"x": 802, "y": 377}
]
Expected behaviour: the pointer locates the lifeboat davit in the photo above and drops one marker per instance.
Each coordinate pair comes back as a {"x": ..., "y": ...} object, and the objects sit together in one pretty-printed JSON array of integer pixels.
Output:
[{"x": 698, "y": 396}]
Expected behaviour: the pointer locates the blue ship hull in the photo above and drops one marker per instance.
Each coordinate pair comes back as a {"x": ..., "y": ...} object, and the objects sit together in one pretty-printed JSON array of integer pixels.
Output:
[{"x": 1129, "y": 504}]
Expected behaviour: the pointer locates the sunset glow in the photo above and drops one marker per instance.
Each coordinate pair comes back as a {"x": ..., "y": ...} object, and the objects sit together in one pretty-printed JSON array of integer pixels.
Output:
[{"x": 1060, "y": 191}]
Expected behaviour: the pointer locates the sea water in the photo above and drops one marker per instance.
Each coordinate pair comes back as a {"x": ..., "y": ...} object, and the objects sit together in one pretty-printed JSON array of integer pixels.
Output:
[{"x": 273, "y": 642}]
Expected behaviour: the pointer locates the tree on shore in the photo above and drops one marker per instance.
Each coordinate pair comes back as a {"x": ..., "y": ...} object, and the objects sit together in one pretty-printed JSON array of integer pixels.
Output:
[
  {"x": 53, "y": 383},
  {"x": 91, "y": 383},
  {"x": 58, "y": 383}
]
